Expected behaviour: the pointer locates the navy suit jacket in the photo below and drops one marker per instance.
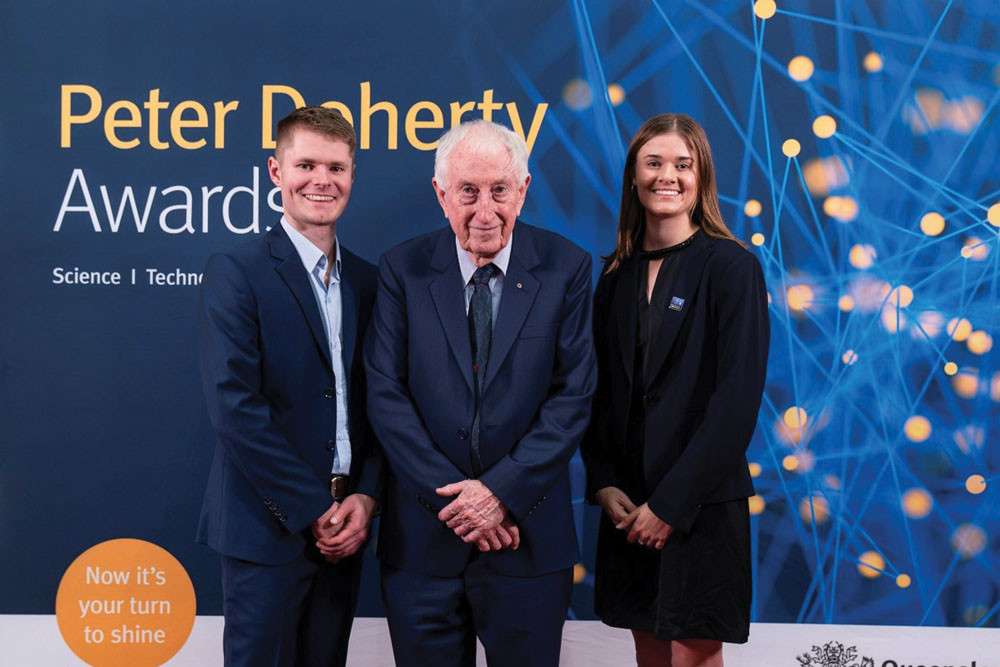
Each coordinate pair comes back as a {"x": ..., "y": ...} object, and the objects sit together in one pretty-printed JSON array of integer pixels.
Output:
[
  {"x": 704, "y": 384},
  {"x": 540, "y": 377},
  {"x": 265, "y": 365}
]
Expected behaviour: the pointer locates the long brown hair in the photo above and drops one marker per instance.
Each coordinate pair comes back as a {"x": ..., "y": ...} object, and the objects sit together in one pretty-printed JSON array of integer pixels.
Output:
[{"x": 705, "y": 213}]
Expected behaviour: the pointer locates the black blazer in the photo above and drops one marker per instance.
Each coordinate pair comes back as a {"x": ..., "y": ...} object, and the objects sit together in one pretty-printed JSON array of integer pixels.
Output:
[{"x": 704, "y": 383}]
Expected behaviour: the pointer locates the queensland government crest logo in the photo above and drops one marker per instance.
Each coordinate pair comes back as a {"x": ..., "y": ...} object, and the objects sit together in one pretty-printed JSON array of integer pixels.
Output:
[{"x": 833, "y": 654}]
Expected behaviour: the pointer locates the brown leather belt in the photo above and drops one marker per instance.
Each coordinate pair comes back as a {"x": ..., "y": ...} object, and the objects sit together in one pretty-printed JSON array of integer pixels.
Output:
[{"x": 338, "y": 486}]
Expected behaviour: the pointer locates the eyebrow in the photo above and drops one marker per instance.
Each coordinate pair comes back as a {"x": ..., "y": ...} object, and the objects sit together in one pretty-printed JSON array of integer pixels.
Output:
[{"x": 660, "y": 157}]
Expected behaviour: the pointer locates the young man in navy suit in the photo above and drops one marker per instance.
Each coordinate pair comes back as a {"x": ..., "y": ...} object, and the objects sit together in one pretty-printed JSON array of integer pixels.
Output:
[
  {"x": 480, "y": 369},
  {"x": 292, "y": 487}
]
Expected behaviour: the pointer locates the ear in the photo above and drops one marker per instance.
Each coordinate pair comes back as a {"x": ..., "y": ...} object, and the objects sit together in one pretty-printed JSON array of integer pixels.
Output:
[
  {"x": 274, "y": 170},
  {"x": 522, "y": 193},
  {"x": 439, "y": 191}
]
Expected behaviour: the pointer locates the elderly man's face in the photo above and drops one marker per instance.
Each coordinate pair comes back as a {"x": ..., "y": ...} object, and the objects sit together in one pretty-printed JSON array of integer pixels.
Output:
[{"x": 482, "y": 199}]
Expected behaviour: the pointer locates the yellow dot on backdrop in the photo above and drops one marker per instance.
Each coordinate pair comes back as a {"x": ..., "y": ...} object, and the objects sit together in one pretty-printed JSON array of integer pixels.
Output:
[
  {"x": 970, "y": 437},
  {"x": 757, "y": 239},
  {"x": 846, "y": 303},
  {"x": 932, "y": 223},
  {"x": 903, "y": 581},
  {"x": 862, "y": 256},
  {"x": 993, "y": 215},
  {"x": 917, "y": 428},
  {"x": 577, "y": 95},
  {"x": 790, "y": 462},
  {"x": 814, "y": 508},
  {"x": 791, "y": 148},
  {"x": 901, "y": 296},
  {"x": 824, "y": 127},
  {"x": 795, "y": 417},
  {"x": 965, "y": 384},
  {"x": 974, "y": 613},
  {"x": 871, "y": 564},
  {"x": 995, "y": 387},
  {"x": 756, "y": 504},
  {"x": 979, "y": 342},
  {"x": 968, "y": 540},
  {"x": 974, "y": 248},
  {"x": 764, "y": 9},
  {"x": 616, "y": 94},
  {"x": 917, "y": 503},
  {"x": 800, "y": 68},
  {"x": 849, "y": 357},
  {"x": 755, "y": 469},
  {"x": 959, "y": 329},
  {"x": 799, "y": 297},
  {"x": 872, "y": 62},
  {"x": 752, "y": 208},
  {"x": 125, "y": 602},
  {"x": 950, "y": 368},
  {"x": 975, "y": 484},
  {"x": 832, "y": 481},
  {"x": 579, "y": 573},
  {"x": 842, "y": 209}
]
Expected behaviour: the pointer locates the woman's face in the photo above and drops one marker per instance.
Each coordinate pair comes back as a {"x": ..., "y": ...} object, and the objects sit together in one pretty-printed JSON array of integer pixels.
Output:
[{"x": 666, "y": 178}]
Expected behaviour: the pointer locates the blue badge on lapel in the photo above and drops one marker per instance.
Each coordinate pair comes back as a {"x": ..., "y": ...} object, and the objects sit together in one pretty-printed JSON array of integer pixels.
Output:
[{"x": 676, "y": 303}]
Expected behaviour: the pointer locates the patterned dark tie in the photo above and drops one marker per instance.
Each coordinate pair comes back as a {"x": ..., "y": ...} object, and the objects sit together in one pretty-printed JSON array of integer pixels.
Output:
[{"x": 481, "y": 335}]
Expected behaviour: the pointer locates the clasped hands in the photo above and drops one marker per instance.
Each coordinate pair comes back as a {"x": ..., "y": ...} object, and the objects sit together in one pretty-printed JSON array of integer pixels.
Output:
[
  {"x": 642, "y": 525},
  {"x": 343, "y": 528},
  {"x": 477, "y": 516}
]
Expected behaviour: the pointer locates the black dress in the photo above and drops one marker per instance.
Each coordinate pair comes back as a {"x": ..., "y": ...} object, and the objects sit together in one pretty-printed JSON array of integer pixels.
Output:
[{"x": 699, "y": 586}]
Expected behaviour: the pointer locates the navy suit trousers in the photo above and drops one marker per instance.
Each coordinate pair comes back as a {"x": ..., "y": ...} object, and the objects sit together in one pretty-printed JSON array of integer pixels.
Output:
[
  {"x": 295, "y": 614},
  {"x": 434, "y": 621}
]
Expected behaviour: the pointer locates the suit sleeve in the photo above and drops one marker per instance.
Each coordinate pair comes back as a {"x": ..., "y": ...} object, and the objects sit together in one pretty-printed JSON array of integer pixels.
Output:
[
  {"x": 523, "y": 477},
  {"x": 417, "y": 463},
  {"x": 229, "y": 351},
  {"x": 740, "y": 310},
  {"x": 595, "y": 448}
]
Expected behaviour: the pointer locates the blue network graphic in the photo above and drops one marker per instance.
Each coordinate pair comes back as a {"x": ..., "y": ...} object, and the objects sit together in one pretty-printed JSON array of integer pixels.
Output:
[{"x": 855, "y": 143}]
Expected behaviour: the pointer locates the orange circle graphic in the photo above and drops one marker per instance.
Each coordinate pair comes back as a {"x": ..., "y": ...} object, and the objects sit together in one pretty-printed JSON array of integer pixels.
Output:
[{"x": 125, "y": 602}]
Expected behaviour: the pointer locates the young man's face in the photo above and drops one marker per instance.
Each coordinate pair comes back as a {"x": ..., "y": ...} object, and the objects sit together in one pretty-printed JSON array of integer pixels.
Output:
[{"x": 315, "y": 173}]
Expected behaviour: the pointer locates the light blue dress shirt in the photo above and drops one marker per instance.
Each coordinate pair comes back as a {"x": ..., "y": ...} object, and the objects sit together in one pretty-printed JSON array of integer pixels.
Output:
[
  {"x": 468, "y": 267},
  {"x": 331, "y": 312}
]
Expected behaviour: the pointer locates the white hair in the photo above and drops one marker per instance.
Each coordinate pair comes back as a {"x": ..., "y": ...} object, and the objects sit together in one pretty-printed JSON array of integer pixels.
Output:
[{"x": 481, "y": 136}]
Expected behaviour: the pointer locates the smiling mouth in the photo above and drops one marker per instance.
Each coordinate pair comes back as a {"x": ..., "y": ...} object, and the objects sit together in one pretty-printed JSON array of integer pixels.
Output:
[
  {"x": 319, "y": 197},
  {"x": 668, "y": 193}
]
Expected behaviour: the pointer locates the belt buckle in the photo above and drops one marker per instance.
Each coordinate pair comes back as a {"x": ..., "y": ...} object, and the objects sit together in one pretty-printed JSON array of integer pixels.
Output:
[{"x": 338, "y": 486}]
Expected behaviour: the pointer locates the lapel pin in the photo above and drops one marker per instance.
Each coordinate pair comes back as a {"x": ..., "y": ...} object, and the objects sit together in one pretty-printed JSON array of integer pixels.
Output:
[
  {"x": 519, "y": 286},
  {"x": 676, "y": 303}
]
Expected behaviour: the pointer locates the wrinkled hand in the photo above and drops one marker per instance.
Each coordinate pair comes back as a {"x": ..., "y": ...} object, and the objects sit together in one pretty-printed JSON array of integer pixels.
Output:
[
  {"x": 346, "y": 528},
  {"x": 646, "y": 528},
  {"x": 615, "y": 502},
  {"x": 476, "y": 515}
]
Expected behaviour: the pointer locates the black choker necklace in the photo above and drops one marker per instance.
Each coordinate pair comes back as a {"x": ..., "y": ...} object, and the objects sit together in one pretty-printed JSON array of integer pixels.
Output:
[{"x": 663, "y": 252}]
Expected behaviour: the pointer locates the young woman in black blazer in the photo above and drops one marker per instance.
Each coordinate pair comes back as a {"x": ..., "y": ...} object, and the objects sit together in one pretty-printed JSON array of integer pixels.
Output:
[{"x": 681, "y": 329}]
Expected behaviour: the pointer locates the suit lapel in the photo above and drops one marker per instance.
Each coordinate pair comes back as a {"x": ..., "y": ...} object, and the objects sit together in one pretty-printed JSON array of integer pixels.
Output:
[
  {"x": 688, "y": 278},
  {"x": 625, "y": 299},
  {"x": 449, "y": 302},
  {"x": 294, "y": 274},
  {"x": 519, "y": 290}
]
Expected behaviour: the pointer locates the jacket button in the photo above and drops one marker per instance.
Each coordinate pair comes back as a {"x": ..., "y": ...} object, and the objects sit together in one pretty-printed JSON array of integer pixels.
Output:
[
  {"x": 463, "y": 433},
  {"x": 331, "y": 445},
  {"x": 329, "y": 393}
]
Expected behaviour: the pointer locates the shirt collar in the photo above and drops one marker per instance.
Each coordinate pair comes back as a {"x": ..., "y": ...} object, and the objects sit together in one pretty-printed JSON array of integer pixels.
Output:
[
  {"x": 311, "y": 256},
  {"x": 468, "y": 267}
]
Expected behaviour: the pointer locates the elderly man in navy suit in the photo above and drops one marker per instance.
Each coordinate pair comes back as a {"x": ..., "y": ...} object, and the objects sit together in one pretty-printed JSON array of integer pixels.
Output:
[
  {"x": 292, "y": 487},
  {"x": 480, "y": 368}
]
